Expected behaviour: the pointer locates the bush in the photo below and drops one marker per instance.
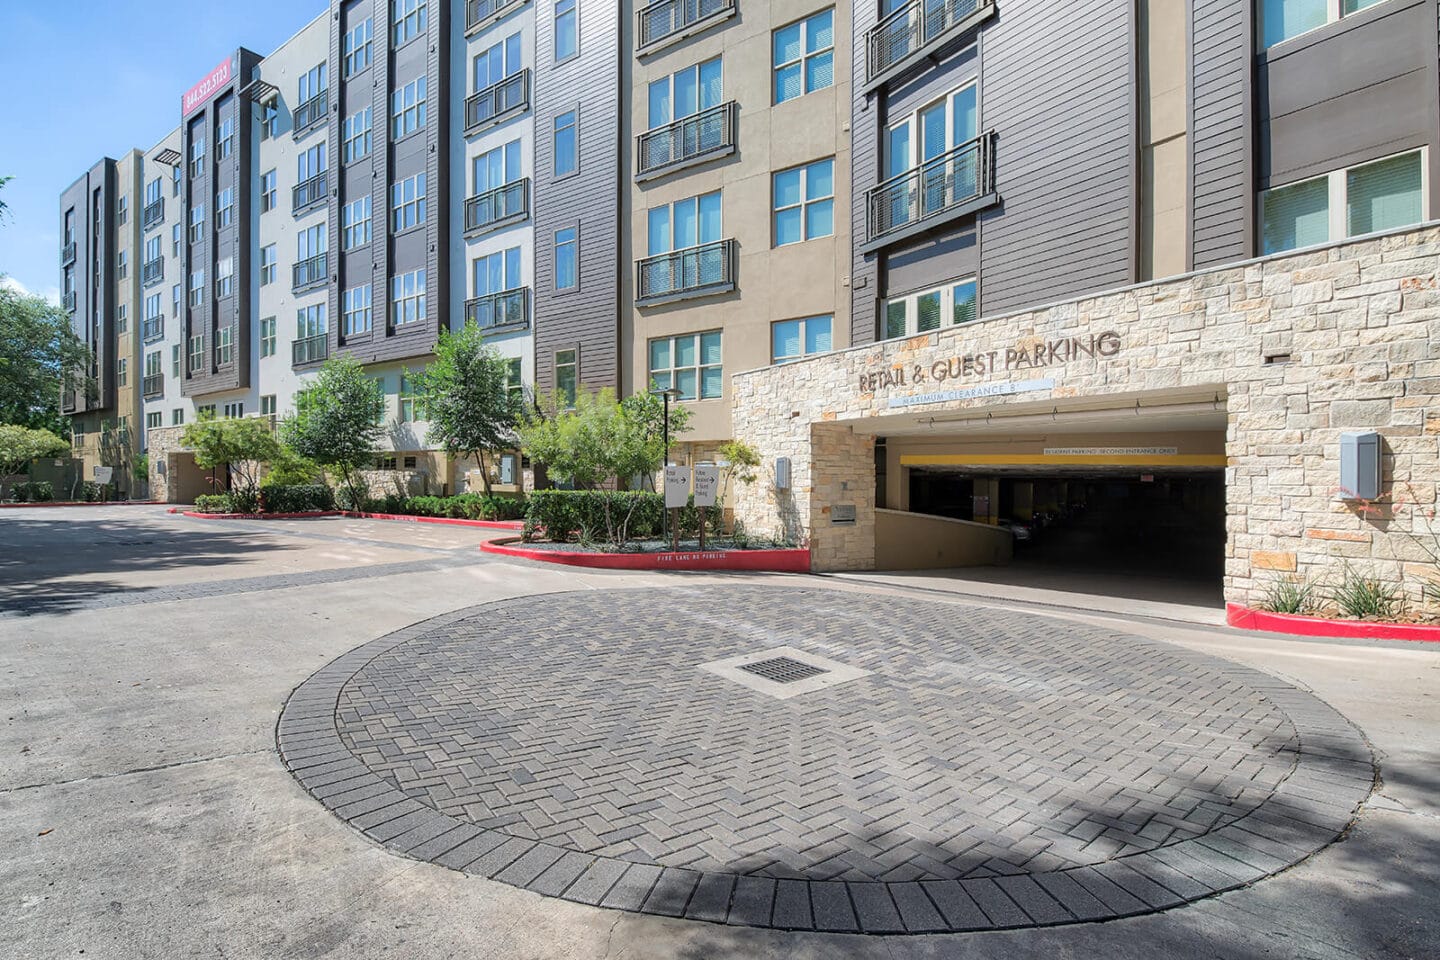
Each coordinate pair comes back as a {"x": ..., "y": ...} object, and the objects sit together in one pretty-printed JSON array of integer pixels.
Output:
[
  {"x": 566, "y": 512},
  {"x": 1365, "y": 598},
  {"x": 346, "y": 499},
  {"x": 296, "y": 497},
  {"x": 1288, "y": 595},
  {"x": 34, "y": 491},
  {"x": 214, "y": 503},
  {"x": 244, "y": 500}
]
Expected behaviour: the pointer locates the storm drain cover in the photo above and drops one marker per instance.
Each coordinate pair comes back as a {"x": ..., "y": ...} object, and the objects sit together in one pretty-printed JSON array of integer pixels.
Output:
[{"x": 783, "y": 670}]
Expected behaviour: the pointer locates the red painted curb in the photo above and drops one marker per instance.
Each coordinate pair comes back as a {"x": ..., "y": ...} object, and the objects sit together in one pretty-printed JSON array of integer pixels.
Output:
[
  {"x": 766, "y": 561},
  {"x": 1294, "y": 623},
  {"x": 260, "y": 516},
  {"x": 84, "y": 503},
  {"x": 453, "y": 521}
]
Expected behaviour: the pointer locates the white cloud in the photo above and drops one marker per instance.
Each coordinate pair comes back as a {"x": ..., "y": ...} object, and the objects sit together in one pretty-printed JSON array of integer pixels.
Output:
[{"x": 52, "y": 294}]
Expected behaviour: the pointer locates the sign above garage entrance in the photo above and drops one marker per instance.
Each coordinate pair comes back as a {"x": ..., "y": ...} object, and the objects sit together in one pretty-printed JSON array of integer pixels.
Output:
[{"x": 1029, "y": 354}]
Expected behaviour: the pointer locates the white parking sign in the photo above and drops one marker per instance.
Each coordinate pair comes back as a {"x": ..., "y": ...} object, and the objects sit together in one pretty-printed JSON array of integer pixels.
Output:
[
  {"x": 677, "y": 486},
  {"x": 707, "y": 484}
]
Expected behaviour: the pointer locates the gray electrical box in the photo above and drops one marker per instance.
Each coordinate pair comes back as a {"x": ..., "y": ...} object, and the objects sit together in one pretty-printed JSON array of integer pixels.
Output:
[
  {"x": 782, "y": 473},
  {"x": 1359, "y": 466}
]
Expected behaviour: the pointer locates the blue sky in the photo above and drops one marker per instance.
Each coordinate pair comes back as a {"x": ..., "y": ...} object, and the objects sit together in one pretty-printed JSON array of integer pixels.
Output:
[{"x": 86, "y": 79}]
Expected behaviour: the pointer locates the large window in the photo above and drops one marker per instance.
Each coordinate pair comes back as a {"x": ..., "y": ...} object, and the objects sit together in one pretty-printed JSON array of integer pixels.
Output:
[
  {"x": 311, "y": 163},
  {"x": 268, "y": 199},
  {"x": 495, "y": 168},
  {"x": 689, "y": 363},
  {"x": 804, "y": 56},
  {"x": 686, "y": 92},
  {"x": 496, "y": 272},
  {"x": 355, "y": 223},
  {"x": 407, "y": 298},
  {"x": 501, "y": 60},
  {"x": 804, "y": 200},
  {"x": 355, "y": 310},
  {"x": 1367, "y": 198},
  {"x": 925, "y": 311},
  {"x": 792, "y": 340},
  {"x": 565, "y": 143},
  {"x": 311, "y": 242},
  {"x": 355, "y": 48},
  {"x": 407, "y": 203},
  {"x": 407, "y": 108},
  {"x": 412, "y": 401},
  {"x": 934, "y": 129},
  {"x": 567, "y": 253},
  {"x": 313, "y": 82},
  {"x": 311, "y": 321},
  {"x": 407, "y": 19},
  {"x": 355, "y": 136},
  {"x": 685, "y": 223},
  {"x": 567, "y": 30},
  {"x": 1283, "y": 19}
]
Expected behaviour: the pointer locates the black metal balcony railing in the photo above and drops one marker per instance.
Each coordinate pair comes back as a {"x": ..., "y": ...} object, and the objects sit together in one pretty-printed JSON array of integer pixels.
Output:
[
  {"x": 153, "y": 328},
  {"x": 67, "y": 254},
  {"x": 689, "y": 140},
  {"x": 479, "y": 12},
  {"x": 672, "y": 19},
  {"x": 509, "y": 309},
  {"x": 893, "y": 43},
  {"x": 152, "y": 271},
  {"x": 154, "y": 213},
  {"x": 310, "y": 349},
  {"x": 691, "y": 272},
  {"x": 310, "y": 272},
  {"x": 495, "y": 208},
  {"x": 498, "y": 101},
  {"x": 153, "y": 385},
  {"x": 309, "y": 192},
  {"x": 68, "y": 301},
  {"x": 310, "y": 113},
  {"x": 957, "y": 181}
]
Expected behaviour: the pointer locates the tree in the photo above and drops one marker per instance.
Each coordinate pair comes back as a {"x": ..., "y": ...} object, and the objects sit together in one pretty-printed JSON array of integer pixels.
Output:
[
  {"x": 19, "y": 445},
  {"x": 647, "y": 411},
  {"x": 4, "y": 207},
  {"x": 242, "y": 446},
  {"x": 37, "y": 350},
  {"x": 338, "y": 421},
  {"x": 741, "y": 460},
  {"x": 467, "y": 398}
]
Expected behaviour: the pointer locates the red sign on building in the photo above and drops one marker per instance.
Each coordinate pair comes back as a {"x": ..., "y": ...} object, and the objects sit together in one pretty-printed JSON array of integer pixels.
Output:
[{"x": 206, "y": 88}]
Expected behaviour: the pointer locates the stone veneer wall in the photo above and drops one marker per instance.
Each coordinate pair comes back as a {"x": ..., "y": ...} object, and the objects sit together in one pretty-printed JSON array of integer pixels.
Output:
[
  {"x": 160, "y": 442},
  {"x": 1360, "y": 321}
]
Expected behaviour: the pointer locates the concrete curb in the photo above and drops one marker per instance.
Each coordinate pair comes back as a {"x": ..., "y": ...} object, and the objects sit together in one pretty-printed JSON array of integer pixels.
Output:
[
  {"x": 1303, "y": 626},
  {"x": 754, "y": 561}
]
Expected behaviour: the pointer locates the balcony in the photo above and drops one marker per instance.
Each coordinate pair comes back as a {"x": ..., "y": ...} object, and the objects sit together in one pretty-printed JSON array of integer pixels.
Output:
[
  {"x": 309, "y": 193},
  {"x": 497, "y": 102},
  {"x": 310, "y": 273},
  {"x": 67, "y": 254},
  {"x": 692, "y": 272},
  {"x": 153, "y": 215},
  {"x": 309, "y": 114},
  {"x": 152, "y": 329},
  {"x": 152, "y": 271},
  {"x": 68, "y": 301},
  {"x": 481, "y": 13},
  {"x": 310, "y": 349},
  {"x": 497, "y": 208},
  {"x": 957, "y": 182},
  {"x": 500, "y": 312},
  {"x": 153, "y": 385},
  {"x": 916, "y": 31},
  {"x": 669, "y": 21},
  {"x": 686, "y": 142}
]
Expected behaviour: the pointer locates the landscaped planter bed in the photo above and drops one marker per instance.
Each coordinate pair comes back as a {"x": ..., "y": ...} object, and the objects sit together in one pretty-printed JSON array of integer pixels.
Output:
[
  {"x": 452, "y": 521},
  {"x": 83, "y": 503},
  {"x": 260, "y": 516},
  {"x": 1301, "y": 625},
  {"x": 773, "y": 560}
]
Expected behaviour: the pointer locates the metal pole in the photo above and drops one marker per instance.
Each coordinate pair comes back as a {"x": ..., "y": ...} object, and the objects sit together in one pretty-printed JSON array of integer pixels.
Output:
[{"x": 664, "y": 462}]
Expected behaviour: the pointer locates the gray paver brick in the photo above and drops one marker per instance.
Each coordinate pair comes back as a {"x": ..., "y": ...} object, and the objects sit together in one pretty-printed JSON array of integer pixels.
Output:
[
  {"x": 596, "y": 881},
  {"x": 916, "y": 911},
  {"x": 792, "y": 905},
  {"x": 711, "y": 900},
  {"x": 1000, "y": 909},
  {"x": 633, "y": 887},
  {"x": 832, "y": 907},
  {"x": 752, "y": 901}
]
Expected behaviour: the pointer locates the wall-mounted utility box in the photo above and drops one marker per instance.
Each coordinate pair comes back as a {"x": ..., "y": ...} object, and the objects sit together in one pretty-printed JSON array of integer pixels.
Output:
[
  {"x": 1359, "y": 466},
  {"x": 782, "y": 473}
]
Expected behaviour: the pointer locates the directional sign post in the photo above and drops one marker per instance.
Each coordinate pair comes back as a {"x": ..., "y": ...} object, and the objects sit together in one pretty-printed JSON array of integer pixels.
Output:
[
  {"x": 677, "y": 495},
  {"x": 707, "y": 485}
]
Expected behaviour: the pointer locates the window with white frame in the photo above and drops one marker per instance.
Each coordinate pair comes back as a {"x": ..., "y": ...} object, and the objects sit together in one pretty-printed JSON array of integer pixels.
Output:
[
  {"x": 311, "y": 321},
  {"x": 407, "y": 108},
  {"x": 122, "y": 318},
  {"x": 804, "y": 56},
  {"x": 1367, "y": 198},
  {"x": 177, "y": 234},
  {"x": 690, "y": 363},
  {"x": 514, "y": 381},
  {"x": 567, "y": 376},
  {"x": 122, "y": 209},
  {"x": 926, "y": 310},
  {"x": 495, "y": 168},
  {"x": 269, "y": 261},
  {"x": 224, "y": 345},
  {"x": 122, "y": 372},
  {"x": 792, "y": 340},
  {"x": 175, "y": 299},
  {"x": 225, "y": 137},
  {"x": 268, "y": 407},
  {"x": 1281, "y": 20},
  {"x": 412, "y": 401},
  {"x": 177, "y": 415},
  {"x": 197, "y": 223},
  {"x": 567, "y": 258},
  {"x": 311, "y": 242},
  {"x": 686, "y": 92},
  {"x": 567, "y": 30},
  {"x": 932, "y": 130},
  {"x": 268, "y": 199},
  {"x": 152, "y": 308},
  {"x": 804, "y": 199},
  {"x": 197, "y": 353},
  {"x": 355, "y": 310},
  {"x": 197, "y": 153},
  {"x": 270, "y": 119},
  {"x": 224, "y": 207},
  {"x": 313, "y": 82},
  {"x": 407, "y": 18},
  {"x": 685, "y": 223},
  {"x": 122, "y": 265},
  {"x": 407, "y": 203},
  {"x": 197, "y": 287},
  {"x": 311, "y": 162},
  {"x": 224, "y": 277},
  {"x": 355, "y": 48},
  {"x": 175, "y": 180},
  {"x": 565, "y": 144},
  {"x": 496, "y": 272},
  {"x": 175, "y": 361},
  {"x": 152, "y": 248},
  {"x": 497, "y": 62},
  {"x": 154, "y": 365},
  {"x": 267, "y": 337},
  {"x": 234, "y": 410},
  {"x": 205, "y": 411},
  {"x": 407, "y": 298},
  {"x": 154, "y": 419},
  {"x": 152, "y": 192},
  {"x": 355, "y": 223},
  {"x": 355, "y": 135}
]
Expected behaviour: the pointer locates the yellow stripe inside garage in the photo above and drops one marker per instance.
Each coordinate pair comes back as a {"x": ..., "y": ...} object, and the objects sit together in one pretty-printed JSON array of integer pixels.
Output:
[{"x": 1078, "y": 460}]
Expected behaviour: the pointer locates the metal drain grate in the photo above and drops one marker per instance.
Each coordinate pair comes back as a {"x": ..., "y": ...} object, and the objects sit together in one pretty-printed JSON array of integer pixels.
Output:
[{"x": 783, "y": 670}]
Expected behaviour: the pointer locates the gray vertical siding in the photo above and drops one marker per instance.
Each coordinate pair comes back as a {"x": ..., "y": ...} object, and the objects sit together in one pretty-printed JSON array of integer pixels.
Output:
[
  {"x": 586, "y": 318},
  {"x": 1222, "y": 176},
  {"x": 866, "y": 120},
  {"x": 93, "y": 320},
  {"x": 1057, "y": 85}
]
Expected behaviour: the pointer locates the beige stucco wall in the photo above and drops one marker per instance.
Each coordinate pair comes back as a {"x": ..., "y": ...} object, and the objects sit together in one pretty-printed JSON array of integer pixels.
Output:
[
  {"x": 1360, "y": 322},
  {"x": 1164, "y": 157},
  {"x": 914, "y": 541}
]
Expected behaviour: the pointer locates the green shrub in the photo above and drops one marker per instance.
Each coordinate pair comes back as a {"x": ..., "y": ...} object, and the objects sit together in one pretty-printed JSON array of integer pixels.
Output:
[
  {"x": 245, "y": 500},
  {"x": 296, "y": 497},
  {"x": 214, "y": 503},
  {"x": 34, "y": 491},
  {"x": 91, "y": 492},
  {"x": 345, "y": 500},
  {"x": 1289, "y": 595},
  {"x": 425, "y": 506},
  {"x": 564, "y": 513},
  {"x": 1365, "y": 598}
]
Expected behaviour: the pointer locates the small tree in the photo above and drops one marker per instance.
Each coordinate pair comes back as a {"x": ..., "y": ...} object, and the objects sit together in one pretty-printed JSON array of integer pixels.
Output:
[
  {"x": 338, "y": 421},
  {"x": 467, "y": 398},
  {"x": 742, "y": 460},
  {"x": 646, "y": 410},
  {"x": 242, "y": 446},
  {"x": 20, "y": 445}
]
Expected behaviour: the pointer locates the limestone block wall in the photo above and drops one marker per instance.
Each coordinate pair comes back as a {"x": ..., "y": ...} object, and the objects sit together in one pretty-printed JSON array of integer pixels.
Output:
[{"x": 1297, "y": 349}]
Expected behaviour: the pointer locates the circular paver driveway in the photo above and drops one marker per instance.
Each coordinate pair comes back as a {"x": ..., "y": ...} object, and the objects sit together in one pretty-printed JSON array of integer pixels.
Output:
[{"x": 939, "y": 767}]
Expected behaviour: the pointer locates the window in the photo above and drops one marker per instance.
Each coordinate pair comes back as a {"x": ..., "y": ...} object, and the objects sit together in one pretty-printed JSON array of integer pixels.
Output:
[
  {"x": 206, "y": 411},
  {"x": 197, "y": 223},
  {"x": 152, "y": 192},
  {"x": 690, "y": 363},
  {"x": 197, "y": 288},
  {"x": 122, "y": 264},
  {"x": 686, "y": 93},
  {"x": 407, "y": 108},
  {"x": 1367, "y": 198},
  {"x": 565, "y": 143},
  {"x": 922, "y": 312},
  {"x": 177, "y": 233},
  {"x": 567, "y": 30},
  {"x": 267, "y": 336},
  {"x": 407, "y": 203},
  {"x": 234, "y": 410},
  {"x": 355, "y": 223},
  {"x": 175, "y": 300},
  {"x": 804, "y": 55},
  {"x": 355, "y": 48},
  {"x": 268, "y": 260},
  {"x": 197, "y": 153},
  {"x": 355, "y": 310},
  {"x": 122, "y": 319},
  {"x": 1282, "y": 19},
  {"x": 355, "y": 136},
  {"x": 407, "y": 298},
  {"x": 495, "y": 168},
  {"x": 122, "y": 372},
  {"x": 514, "y": 384},
  {"x": 311, "y": 321},
  {"x": 311, "y": 163},
  {"x": 175, "y": 180},
  {"x": 407, "y": 19},
  {"x": 175, "y": 365},
  {"x": 152, "y": 249},
  {"x": 177, "y": 416},
  {"x": 495, "y": 64},
  {"x": 225, "y": 138},
  {"x": 685, "y": 223},
  {"x": 224, "y": 208},
  {"x": 934, "y": 129},
  {"x": 567, "y": 375},
  {"x": 792, "y": 339},
  {"x": 270, "y": 120},
  {"x": 154, "y": 420},
  {"x": 197, "y": 353},
  {"x": 497, "y": 272},
  {"x": 311, "y": 242},
  {"x": 412, "y": 403},
  {"x": 805, "y": 202},
  {"x": 268, "y": 199},
  {"x": 224, "y": 346},
  {"x": 224, "y": 277},
  {"x": 152, "y": 309},
  {"x": 268, "y": 407},
  {"x": 566, "y": 258},
  {"x": 312, "y": 83},
  {"x": 122, "y": 210}
]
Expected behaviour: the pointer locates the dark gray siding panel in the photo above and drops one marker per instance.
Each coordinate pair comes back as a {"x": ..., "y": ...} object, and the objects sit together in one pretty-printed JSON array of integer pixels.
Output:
[
  {"x": 1221, "y": 154},
  {"x": 865, "y": 168},
  {"x": 1056, "y": 86}
]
